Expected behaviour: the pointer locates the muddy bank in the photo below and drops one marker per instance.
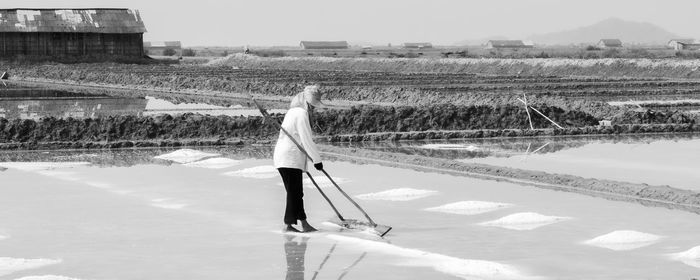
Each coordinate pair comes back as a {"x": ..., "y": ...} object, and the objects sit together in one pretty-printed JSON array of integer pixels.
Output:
[{"x": 658, "y": 196}]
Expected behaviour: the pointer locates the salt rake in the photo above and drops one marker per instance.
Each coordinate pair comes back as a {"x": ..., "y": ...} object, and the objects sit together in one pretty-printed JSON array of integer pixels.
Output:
[{"x": 380, "y": 230}]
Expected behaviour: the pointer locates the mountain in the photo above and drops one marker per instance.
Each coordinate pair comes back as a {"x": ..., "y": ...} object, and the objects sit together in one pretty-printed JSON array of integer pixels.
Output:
[{"x": 613, "y": 28}]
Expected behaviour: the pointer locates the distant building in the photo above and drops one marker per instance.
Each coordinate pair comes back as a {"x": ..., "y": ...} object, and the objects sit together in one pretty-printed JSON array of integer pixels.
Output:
[
  {"x": 157, "y": 48},
  {"x": 609, "y": 43},
  {"x": 684, "y": 44},
  {"x": 417, "y": 45},
  {"x": 507, "y": 44},
  {"x": 605, "y": 123},
  {"x": 70, "y": 32},
  {"x": 324, "y": 45}
]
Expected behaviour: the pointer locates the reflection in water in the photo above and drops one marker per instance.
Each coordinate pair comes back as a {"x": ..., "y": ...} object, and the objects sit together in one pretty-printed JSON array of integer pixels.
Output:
[
  {"x": 295, "y": 251},
  {"x": 36, "y": 104}
]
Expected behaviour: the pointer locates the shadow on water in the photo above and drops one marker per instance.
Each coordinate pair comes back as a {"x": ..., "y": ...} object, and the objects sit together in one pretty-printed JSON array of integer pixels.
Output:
[{"x": 295, "y": 251}]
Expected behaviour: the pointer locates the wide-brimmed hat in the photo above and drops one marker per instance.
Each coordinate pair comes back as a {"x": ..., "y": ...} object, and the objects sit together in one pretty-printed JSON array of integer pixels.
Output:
[{"x": 313, "y": 96}]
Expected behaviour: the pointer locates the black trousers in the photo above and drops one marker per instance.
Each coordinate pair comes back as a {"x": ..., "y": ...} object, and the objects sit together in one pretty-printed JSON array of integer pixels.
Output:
[{"x": 294, "y": 185}]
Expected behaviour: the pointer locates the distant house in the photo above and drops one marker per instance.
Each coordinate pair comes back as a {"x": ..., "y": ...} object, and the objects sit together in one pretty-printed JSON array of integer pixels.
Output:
[
  {"x": 157, "y": 48},
  {"x": 609, "y": 43},
  {"x": 684, "y": 44},
  {"x": 507, "y": 44},
  {"x": 417, "y": 45},
  {"x": 324, "y": 45}
]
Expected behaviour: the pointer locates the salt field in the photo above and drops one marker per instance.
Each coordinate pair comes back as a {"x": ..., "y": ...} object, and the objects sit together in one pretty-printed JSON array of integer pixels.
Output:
[
  {"x": 649, "y": 159},
  {"x": 204, "y": 213}
]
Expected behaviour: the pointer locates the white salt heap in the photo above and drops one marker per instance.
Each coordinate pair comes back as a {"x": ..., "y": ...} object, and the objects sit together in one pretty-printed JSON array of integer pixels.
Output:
[
  {"x": 3, "y": 237},
  {"x": 167, "y": 203},
  {"x": 62, "y": 175},
  {"x": 12, "y": 265},
  {"x": 38, "y": 166},
  {"x": 401, "y": 194},
  {"x": 46, "y": 277},
  {"x": 258, "y": 172},
  {"x": 524, "y": 221},
  {"x": 622, "y": 240},
  {"x": 470, "y": 148},
  {"x": 460, "y": 268},
  {"x": 214, "y": 163},
  {"x": 690, "y": 257},
  {"x": 469, "y": 207},
  {"x": 185, "y": 155}
]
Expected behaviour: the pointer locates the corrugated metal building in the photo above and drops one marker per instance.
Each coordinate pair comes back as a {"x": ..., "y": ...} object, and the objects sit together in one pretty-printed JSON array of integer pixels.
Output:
[
  {"x": 507, "y": 44},
  {"x": 610, "y": 43},
  {"x": 70, "y": 32},
  {"x": 324, "y": 45}
]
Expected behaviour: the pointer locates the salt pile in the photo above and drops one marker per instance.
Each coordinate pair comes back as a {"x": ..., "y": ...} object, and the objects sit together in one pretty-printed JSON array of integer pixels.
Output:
[
  {"x": 166, "y": 203},
  {"x": 214, "y": 163},
  {"x": 46, "y": 277},
  {"x": 524, "y": 221},
  {"x": 12, "y": 265},
  {"x": 469, "y": 207},
  {"x": 38, "y": 166},
  {"x": 401, "y": 194},
  {"x": 461, "y": 268},
  {"x": 258, "y": 172},
  {"x": 690, "y": 257},
  {"x": 470, "y": 148},
  {"x": 185, "y": 155},
  {"x": 622, "y": 240},
  {"x": 3, "y": 237}
]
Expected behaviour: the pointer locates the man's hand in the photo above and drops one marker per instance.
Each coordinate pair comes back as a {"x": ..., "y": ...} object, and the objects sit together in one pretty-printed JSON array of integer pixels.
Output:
[{"x": 318, "y": 166}]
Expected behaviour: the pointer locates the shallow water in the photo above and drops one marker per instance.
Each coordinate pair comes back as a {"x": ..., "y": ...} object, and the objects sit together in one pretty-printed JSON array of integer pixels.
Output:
[
  {"x": 653, "y": 159},
  {"x": 33, "y": 103},
  {"x": 127, "y": 215}
]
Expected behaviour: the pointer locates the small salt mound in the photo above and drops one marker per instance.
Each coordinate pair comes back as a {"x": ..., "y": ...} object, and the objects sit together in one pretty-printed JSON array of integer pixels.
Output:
[
  {"x": 185, "y": 156},
  {"x": 622, "y": 240},
  {"x": 690, "y": 257},
  {"x": 457, "y": 267},
  {"x": 401, "y": 194},
  {"x": 214, "y": 163},
  {"x": 3, "y": 237},
  {"x": 167, "y": 203},
  {"x": 46, "y": 277},
  {"x": 469, "y": 207},
  {"x": 470, "y": 148},
  {"x": 258, "y": 172},
  {"x": 38, "y": 166},
  {"x": 99, "y": 185},
  {"x": 12, "y": 265},
  {"x": 524, "y": 221}
]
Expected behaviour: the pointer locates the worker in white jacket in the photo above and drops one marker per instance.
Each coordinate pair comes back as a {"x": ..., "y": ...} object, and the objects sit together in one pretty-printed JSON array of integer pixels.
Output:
[{"x": 292, "y": 162}]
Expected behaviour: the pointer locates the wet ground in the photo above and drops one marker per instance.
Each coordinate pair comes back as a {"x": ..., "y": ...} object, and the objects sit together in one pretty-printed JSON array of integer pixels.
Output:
[
  {"x": 650, "y": 159},
  {"x": 150, "y": 214}
]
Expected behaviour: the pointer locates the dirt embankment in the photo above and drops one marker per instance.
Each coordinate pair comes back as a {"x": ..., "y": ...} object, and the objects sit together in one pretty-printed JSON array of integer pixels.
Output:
[{"x": 662, "y": 196}]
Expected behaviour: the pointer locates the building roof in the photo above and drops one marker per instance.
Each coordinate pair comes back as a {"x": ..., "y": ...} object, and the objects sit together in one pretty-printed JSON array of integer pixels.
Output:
[
  {"x": 324, "y": 44},
  {"x": 166, "y": 44},
  {"x": 611, "y": 42},
  {"x": 417, "y": 45},
  {"x": 71, "y": 20},
  {"x": 507, "y": 43}
]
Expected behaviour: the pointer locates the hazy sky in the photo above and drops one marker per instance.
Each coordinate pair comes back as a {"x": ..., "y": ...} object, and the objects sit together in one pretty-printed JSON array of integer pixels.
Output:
[{"x": 286, "y": 22}]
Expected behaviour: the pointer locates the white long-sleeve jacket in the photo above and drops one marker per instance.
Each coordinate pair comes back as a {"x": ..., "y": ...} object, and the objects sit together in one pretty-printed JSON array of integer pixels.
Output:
[{"x": 286, "y": 154}]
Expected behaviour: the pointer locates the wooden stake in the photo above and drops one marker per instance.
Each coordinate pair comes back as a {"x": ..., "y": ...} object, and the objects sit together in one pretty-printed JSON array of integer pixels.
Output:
[
  {"x": 536, "y": 111},
  {"x": 528, "y": 112}
]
